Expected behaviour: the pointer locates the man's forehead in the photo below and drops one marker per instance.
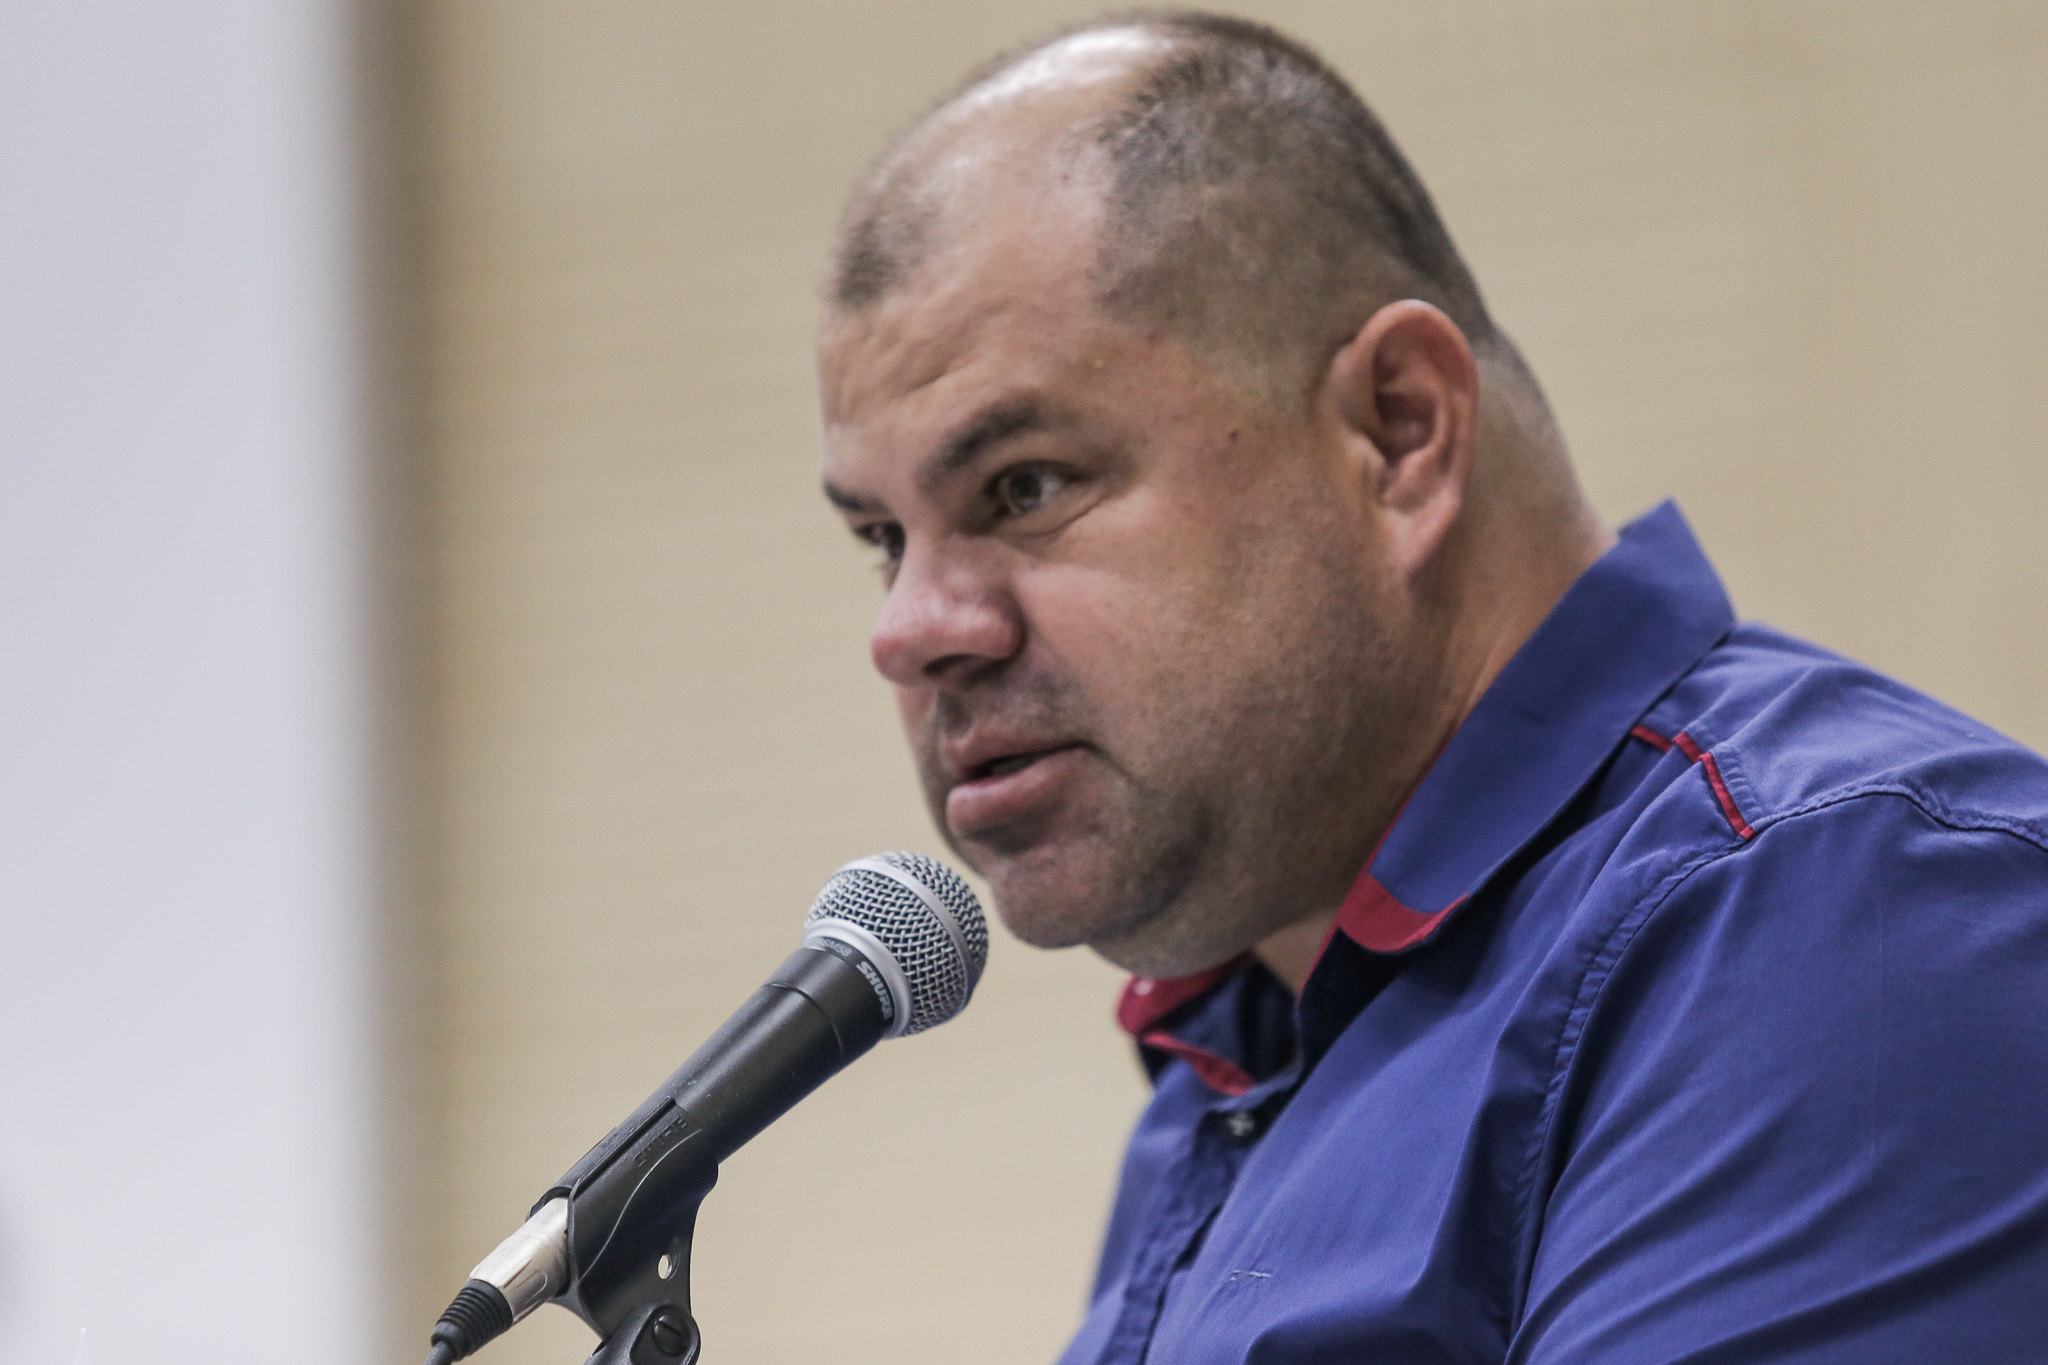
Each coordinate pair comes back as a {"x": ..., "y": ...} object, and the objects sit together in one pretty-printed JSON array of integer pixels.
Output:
[
  {"x": 999, "y": 302},
  {"x": 904, "y": 387},
  {"x": 1015, "y": 288},
  {"x": 905, "y": 347}
]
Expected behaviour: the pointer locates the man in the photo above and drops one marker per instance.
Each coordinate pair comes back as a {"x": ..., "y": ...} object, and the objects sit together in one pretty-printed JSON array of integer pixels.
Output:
[{"x": 1533, "y": 964}]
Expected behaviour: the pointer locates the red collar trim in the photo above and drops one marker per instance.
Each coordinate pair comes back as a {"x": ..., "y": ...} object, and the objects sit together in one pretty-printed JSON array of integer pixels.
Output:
[
  {"x": 1375, "y": 919},
  {"x": 1147, "y": 999},
  {"x": 1220, "y": 1074}
]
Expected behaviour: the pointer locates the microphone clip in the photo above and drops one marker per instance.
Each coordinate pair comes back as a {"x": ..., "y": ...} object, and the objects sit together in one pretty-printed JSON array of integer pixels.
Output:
[
  {"x": 644, "y": 1315},
  {"x": 631, "y": 1283}
]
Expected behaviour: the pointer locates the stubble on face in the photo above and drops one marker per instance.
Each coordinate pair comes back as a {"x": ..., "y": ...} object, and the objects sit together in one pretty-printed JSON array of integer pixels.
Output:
[
  {"x": 1278, "y": 711},
  {"x": 1083, "y": 869}
]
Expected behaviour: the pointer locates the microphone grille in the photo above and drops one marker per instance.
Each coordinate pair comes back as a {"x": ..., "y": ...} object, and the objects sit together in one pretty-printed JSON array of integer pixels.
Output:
[{"x": 926, "y": 916}]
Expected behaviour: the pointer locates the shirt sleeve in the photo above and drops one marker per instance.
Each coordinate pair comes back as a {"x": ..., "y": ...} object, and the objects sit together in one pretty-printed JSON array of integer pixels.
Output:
[{"x": 1805, "y": 1117}]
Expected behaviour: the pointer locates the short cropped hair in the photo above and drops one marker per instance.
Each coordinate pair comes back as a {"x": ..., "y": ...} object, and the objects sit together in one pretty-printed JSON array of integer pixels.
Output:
[{"x": 1254, "y": 204}]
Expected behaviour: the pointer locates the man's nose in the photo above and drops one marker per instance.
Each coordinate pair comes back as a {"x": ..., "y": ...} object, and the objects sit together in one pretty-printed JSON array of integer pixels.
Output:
[{"x": 948, "y": 612}]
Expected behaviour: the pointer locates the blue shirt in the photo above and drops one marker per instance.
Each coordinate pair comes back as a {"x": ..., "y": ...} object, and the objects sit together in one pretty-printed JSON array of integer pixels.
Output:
[{"x": 1694, "y": 1008}]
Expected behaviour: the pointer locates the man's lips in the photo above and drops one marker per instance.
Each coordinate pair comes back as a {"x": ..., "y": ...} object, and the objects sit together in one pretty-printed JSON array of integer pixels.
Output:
[{"x": 1004, "y": 788}]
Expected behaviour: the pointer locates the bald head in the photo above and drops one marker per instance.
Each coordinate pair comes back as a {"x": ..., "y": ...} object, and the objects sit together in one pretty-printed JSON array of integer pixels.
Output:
[{"x": 1245, "y": 200}]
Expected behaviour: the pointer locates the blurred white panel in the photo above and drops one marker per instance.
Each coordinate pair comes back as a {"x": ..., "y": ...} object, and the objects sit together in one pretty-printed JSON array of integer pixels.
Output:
[{"x": 188, "y": 1122}]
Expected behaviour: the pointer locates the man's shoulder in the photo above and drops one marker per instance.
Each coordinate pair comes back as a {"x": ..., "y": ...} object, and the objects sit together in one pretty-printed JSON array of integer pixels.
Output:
[
  {"x": 1789, "y": 1061},
  {"x": 1787, "y": 729}
]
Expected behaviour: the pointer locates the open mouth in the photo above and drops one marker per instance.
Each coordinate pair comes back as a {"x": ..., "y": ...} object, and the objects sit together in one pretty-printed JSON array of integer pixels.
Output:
[
  {"x": 1009, "y": 763},
  {"x": 1009, "y": 796}
]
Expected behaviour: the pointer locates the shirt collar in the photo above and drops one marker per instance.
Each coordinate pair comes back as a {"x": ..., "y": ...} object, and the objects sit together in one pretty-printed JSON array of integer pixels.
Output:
[{"x": 1633, "y": 624}]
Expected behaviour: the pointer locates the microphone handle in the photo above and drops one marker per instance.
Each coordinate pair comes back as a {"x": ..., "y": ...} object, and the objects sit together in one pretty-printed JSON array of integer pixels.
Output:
[{"x": 632, "y": 1199}]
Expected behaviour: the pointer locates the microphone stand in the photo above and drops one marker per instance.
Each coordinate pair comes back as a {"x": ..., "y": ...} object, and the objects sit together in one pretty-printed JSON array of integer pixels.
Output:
[
  {"x": 611, "y": 1241},
  {"x": 634, "y": 1290},
  {"x": 650, "y": 1323},
  {"x": 633, "y": 1198},
  {"x": 615, "y": 1232}
]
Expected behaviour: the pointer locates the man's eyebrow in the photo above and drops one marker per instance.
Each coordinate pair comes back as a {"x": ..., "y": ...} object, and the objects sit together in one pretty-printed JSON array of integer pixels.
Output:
[
  {"x": 990, "y": 427},
  {"x": 849, "y": 502}
]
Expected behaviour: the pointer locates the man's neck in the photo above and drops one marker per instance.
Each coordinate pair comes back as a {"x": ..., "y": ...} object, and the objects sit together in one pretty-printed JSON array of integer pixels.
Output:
[
  {"x": 1291, "y": 954},
  {"x": 1473, "y": 664}
]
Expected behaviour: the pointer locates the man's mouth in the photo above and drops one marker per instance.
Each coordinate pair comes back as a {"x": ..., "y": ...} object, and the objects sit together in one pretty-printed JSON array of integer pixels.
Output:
[
  {"x": 1009, "y": 763},
  {"x": 1000, "y": 792}
]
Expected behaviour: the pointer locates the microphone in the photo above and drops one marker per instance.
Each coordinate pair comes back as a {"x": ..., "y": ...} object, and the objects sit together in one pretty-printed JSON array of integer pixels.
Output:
[{"x": 893, "y": 945}]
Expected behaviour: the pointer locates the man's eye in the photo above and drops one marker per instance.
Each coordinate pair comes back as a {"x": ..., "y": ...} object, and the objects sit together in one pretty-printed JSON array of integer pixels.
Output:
[
  {"x": 885, "y": 536},
  {"x": 1019, "y": 492}
]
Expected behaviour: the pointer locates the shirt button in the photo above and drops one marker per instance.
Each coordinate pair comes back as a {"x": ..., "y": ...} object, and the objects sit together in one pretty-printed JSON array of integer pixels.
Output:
[{"x": 1241, "y": 1126}]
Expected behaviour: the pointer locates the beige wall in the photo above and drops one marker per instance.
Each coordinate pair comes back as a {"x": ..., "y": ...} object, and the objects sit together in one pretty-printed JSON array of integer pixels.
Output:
[{"x": 1783, "y": 260}]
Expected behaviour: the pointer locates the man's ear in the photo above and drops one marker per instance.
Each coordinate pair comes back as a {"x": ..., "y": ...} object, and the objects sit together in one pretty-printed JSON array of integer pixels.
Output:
[{"x": 1406, "y": 389}]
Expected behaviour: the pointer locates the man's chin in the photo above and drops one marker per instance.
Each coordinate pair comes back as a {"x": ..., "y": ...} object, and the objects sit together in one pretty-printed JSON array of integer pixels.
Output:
[
  {"x": 1064, "y": 899},
  {"x": 1050, "y": 897},
  {"x": 1163, "y": 950},
  {"x": 1053, "y": 922}
]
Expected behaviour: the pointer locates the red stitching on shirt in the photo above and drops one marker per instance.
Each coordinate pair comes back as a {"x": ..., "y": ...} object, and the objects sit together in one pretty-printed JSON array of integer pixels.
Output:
[
  {"x": 1700, "y": 756},
  {"x": 1652, "y": 738}
]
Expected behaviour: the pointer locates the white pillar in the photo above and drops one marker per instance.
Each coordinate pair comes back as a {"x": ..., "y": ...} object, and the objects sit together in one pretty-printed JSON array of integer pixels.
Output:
[{"x": 188, "y": 1090}]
